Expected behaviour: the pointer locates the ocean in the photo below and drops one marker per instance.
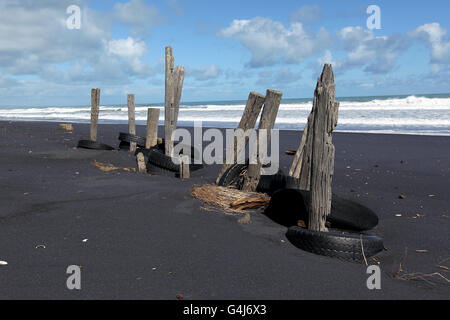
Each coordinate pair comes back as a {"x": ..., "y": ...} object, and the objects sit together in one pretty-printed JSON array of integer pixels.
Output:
[{"x": 414, "y": 114}]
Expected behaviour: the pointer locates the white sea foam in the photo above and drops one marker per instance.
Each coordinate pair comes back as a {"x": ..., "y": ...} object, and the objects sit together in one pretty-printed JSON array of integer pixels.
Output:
[{"x": 395, "y": 115}]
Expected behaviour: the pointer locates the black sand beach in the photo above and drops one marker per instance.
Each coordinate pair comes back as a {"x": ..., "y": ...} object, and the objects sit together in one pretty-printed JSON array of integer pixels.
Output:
[{"x": 147, "y": 238}]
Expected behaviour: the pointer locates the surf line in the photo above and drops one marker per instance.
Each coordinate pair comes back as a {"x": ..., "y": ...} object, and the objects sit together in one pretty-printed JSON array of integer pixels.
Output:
[{"x": 211, "y": 311}]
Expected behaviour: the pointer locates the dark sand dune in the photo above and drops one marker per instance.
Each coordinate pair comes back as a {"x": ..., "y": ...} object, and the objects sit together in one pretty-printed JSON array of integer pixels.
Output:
[{"x": 148, "y": 239}]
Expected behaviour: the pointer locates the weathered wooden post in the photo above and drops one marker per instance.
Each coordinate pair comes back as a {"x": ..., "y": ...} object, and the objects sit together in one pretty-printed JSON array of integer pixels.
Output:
[
  {"x": 152, "y": 128},
  {"x": 184, "y": 167},
  {"x": 316, "y": 156},
  {"x": 252, "y": 109},
  {"x": 131, "y": 120},
  {"x": 173, "y": 90},
  {"x": 142, "y": 168},
  {"x": 95, "y": 107},
  {"x": 267, "y": 121}
]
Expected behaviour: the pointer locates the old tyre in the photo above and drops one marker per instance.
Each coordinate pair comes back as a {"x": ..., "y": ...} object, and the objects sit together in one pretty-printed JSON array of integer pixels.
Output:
[
  {"x": 94, "y": 145},
  {"x": 335, "y": 244}
]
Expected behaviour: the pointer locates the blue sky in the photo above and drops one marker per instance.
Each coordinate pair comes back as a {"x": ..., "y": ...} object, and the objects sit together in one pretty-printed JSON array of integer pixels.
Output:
[{"x": 228, "y": 48}]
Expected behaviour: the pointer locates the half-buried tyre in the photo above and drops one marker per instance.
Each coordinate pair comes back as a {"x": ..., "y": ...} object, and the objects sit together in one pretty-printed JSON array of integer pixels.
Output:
[
  {"x": 351, "y": 247},
  {"x": 157, "y": 157},
  {"x": 127, "y": 137},
  {"x": 233, "y": 176},
  {"x": 287, "y": 206},
  {"x": 94, "y": 145}
]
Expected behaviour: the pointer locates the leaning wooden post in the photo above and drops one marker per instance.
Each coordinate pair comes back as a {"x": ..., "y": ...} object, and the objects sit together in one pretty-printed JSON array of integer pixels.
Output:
[
  {"x": 301, "y": 165},
  {"x": 131, "y": 120},
  {"x": 184, "y": 167},
  {"x": 324, "y": 121},
  {"x": 252, "y": 109},
  {"x": 152, "y": 127},
  {"x": 267, "y": 121},
  {"x": 95, "y": 107},
  {"x": 178, "y": 80}
]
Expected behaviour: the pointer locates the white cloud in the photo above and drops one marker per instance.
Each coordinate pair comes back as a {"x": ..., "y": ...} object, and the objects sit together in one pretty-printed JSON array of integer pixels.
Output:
[
  {"x": 204, "y": 73},
  {"x": 307, "y": 14},
  {"x": 270, "y": 42},
  {"x": 378, "y": 54},
  {"x": 139, "y": 16},
  {"x": 433, "y": 34}
]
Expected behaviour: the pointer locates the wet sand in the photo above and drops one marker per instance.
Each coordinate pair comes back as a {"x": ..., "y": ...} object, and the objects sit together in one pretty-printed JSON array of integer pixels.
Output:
[{"x": 147, "y": 238}]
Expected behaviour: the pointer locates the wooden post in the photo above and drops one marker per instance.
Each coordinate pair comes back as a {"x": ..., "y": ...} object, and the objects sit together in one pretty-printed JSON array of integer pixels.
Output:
[
  {"x": 252, "y": 109},
  {"x": 95, "y": 107},
  {"x": 142, "y": 168},
  {"x": 174, "y": 88},
  {"x": 178, "y": 80},
  {"x": 169, "y": 100},
  {"x": 184, "y": 167},
  {"x": 267, "y": 121},
  {"x": 131, "y": 120},
  {"x": 320, "y": 146},
  {"x": 152, "y": 127}
]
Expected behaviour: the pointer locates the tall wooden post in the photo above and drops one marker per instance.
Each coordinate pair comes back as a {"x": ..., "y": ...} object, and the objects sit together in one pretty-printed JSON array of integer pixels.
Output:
[
  {"x": 252, "y": 109},
  {"x": 95, "y": 107},
  {"x": 319, "y": 146},
  {"x": 152, "y": 128},
  {"x": 267, "y": 121},
  {"x": 131, "y": 120},
  {"x": 173, "y": 90}
]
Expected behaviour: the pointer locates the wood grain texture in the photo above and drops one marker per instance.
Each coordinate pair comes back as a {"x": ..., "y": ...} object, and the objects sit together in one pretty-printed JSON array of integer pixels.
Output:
[
  {"x": 184, "y": 167},
  {"x": 140, "y": 159},
  {"x": 320, "y": 146},
  {"x": 152, "y": 127},
  {"x": 168, "y": 101},
  {"x": 267, "y": 121},
  {"x": 95, "y": 108},
  {"x": 174, "y": 87},
  {"x": 131, "y": 120},
  {"x": 252, "y": 109}
]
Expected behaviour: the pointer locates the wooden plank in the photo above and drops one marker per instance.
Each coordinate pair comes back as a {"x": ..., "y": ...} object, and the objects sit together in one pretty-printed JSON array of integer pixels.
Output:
[
  {"x": 324, "y": 121},
  {"x": 131, "y": 120},
  {"x": 95, "y": 107},
  {"x": 184, "y": 167},
  {"x": 152, "y": 127},
  {"x": 252, "y": 109},
  {"x": 267, "y": 121},
  {"x": 140, "y": 159}
]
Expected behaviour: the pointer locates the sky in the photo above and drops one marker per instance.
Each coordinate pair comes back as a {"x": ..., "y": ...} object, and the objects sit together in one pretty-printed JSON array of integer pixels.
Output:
[{"x": 228, "y": 48}]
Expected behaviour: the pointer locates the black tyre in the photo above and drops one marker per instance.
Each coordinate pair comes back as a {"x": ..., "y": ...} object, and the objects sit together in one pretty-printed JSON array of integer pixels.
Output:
[
  {"x": 157, "y": 158},
  {"x": 94, "y": 145},
  {"x": 287, "y": 206},
  {"x": 335, "y": 244},
  {"x": 233, "y": 176},
  {"x": 127, "y": 137}
]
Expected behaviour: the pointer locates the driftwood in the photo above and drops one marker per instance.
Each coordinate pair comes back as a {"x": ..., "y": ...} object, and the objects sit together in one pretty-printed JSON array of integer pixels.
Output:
[
  {"x": 152, "y": 127},
  {"x": 252, "y": 109},
  {"x": 250, "y": 203},
  {"x": 131, "y": 120},
  {"x": 314, "y": 161},
  {"x": 173, "y": 89},
  {"x": 95, "y": 107},
  {"x": 267, "y": 121}
]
